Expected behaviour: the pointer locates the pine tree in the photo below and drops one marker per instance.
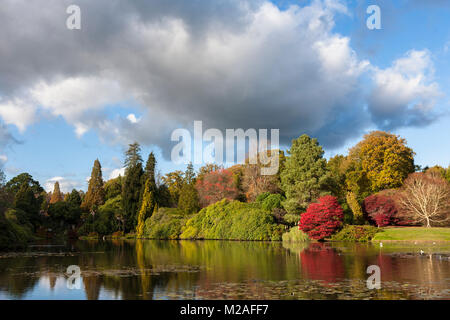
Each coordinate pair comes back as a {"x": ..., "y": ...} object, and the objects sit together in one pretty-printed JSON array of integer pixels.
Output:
[
  {"x": 305, "y": 175},
  {"x": 133, "y": 155},
  {"x": 132, "y": 185},
  {"x": 147, "y": 208},
  {"x": 95, "y": 195},
  {"x": 57, "y": 196},
  {"x": 149, "y": 174}
]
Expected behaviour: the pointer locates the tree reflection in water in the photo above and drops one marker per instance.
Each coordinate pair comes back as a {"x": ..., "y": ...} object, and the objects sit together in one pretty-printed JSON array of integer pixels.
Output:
[{"x": 223, "y": 270}]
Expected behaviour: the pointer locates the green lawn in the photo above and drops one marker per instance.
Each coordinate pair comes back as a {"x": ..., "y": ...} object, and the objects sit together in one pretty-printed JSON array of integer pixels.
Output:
[{"x": 413, "y": 234}]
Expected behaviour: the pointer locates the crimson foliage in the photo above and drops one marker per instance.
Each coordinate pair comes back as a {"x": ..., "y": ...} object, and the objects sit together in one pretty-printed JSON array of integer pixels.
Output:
[
  {"x": 215, "y": 186},
  {"x": 322, "y": 219},
  {"x": 380, "y": 209}
]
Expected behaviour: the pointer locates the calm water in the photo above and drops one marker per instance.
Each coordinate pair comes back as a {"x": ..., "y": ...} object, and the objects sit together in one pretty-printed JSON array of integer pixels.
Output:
[{"x": 225, "y": 270}]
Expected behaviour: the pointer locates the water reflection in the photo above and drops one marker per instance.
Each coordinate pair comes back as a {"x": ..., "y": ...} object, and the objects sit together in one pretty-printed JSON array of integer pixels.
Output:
[{"x": 224, "y": 270}]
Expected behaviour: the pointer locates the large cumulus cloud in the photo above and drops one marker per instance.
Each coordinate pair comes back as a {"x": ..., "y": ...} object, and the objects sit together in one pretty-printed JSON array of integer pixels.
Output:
[{"x": 232, "y": 64}]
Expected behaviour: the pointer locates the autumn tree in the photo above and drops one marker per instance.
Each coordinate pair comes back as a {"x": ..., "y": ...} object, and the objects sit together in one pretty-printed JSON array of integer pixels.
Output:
[
  {"x": 132, "y": 185},
  {"x": 322, "y": 219},
  {"x": 380, "y": 209},
  {"x": 425, "y": 198},
  {"x": 305, "y": 176},
  {"x": 216, "y": 186},
  {"x": 56, "y": 194},
  {"x": 147, "y": 207},
  {"x": 95, "y": 195},
  {"x": 380, "y": 161}
]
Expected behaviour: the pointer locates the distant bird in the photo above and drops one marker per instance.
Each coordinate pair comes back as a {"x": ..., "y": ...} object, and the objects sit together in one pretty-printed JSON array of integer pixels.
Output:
[
  {"x": 381, "y": 244},
  {"x": 421, "y": 251}
]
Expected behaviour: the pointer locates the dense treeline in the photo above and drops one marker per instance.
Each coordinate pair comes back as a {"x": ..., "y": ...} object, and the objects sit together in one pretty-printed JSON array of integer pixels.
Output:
[{"x": 376, "y": 183}]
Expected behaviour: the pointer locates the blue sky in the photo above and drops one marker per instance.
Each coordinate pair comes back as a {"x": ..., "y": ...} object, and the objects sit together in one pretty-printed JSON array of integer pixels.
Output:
[{"x": 46, "y": 143}]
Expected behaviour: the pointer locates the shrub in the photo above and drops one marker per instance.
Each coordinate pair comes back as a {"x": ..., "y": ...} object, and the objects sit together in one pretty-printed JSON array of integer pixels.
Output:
[
  {"x": 272, "y": 201},
  {"x": 93, "y": 235},
  {"x": 380, "y": 210},
  {"x": 291, "y": 219},
  {"x": 322, "y": 219},
  {"x": 166, "y": 223},
  {"x": 295, "y": 235},
  {"x": 117, "y": 235},
  {"x": 262, "y": 196},
  {"x": 355, "y": 233},
  {"x": 232, "y": 220}
]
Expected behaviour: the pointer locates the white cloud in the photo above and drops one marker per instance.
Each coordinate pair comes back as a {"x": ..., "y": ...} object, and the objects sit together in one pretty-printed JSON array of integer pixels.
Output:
[
  {"x": 18, "y": 112},
  {"x": 65, "y": 185},
  {"x": 405, "y": 93},
  {"x": 116, "y": 172},
  {"x": 132, "y": 118}
]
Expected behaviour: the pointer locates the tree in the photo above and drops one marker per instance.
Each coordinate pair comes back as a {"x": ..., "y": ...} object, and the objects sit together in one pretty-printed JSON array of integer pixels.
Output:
[
  {"x": 74, "y": 198},
  {"x": 322, "y": 219},
  {"x": 447, "y": 174},
  {"x": 64, "y": 212},
  {"x": 174, "y": 182},
  {"x": 113, "y": 188},
  {"x": 216, "y": 186},
  {"x": 133, "y": 155},
  {"x": 95, "y": 195},
  {"x": 380, "y": 209},
  {"x": 56, "y": 194},
  {"x": 147, "y": 207},
  {"x": 188, "y": 201},
  {"x": 382, "y": 160},
  {"x": 425, "y": 198},
  {"x": 305, "y": 175},
  {"x": 132, "y": 185},
  {"x": 16, "y": 183},
  {"x": 149, "y": 174},
  {"x": 26, "y": 201},
  {"x": 353, "y": 203}
]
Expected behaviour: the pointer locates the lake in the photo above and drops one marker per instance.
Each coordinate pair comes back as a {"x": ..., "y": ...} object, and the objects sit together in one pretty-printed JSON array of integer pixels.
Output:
[{"x": 151, "y": 269}]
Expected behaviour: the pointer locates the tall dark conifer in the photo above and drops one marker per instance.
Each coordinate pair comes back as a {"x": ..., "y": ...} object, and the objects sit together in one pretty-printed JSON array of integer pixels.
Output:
[
  {"x": 132, "y": 185},
  {"x": 95, "y": 195}
]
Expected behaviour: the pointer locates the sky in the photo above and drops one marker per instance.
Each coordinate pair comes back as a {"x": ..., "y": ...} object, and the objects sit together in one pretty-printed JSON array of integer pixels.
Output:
[{"x": 137, "y": 70}]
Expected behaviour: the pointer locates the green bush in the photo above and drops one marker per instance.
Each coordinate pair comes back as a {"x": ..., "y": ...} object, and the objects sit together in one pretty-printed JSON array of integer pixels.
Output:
[
  {"x": 262, "y": 196},
  {"x": 295, "y": 235},
  {"x": 292, "y": 219},
  {"x": 355, "y": 233},
  {"x": 12, "y": 234},
  {"x": 272, "y": 201},
  {"x": 232, "y": 220},
  {"x": 165, "y": 224}
]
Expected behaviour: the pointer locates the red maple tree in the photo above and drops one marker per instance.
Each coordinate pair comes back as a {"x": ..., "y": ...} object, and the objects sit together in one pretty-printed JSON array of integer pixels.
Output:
[
  {"x": 380, "y": 209},
  {"x": 322, "y": 219}
]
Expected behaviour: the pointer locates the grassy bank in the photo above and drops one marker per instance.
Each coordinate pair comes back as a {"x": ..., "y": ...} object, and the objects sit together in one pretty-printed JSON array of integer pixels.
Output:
[{"x": 413, "y": 234}]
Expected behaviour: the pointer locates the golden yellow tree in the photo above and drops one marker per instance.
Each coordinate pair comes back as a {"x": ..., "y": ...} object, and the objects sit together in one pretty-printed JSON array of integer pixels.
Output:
[
  {"x": 56, "y": 195},
  {"x": 147, "y": 207},
  {"x": 383, "y": 158}
]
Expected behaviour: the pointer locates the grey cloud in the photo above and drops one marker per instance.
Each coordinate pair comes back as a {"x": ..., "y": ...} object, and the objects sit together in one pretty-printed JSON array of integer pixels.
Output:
[{"x": 232, "y": 64}]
